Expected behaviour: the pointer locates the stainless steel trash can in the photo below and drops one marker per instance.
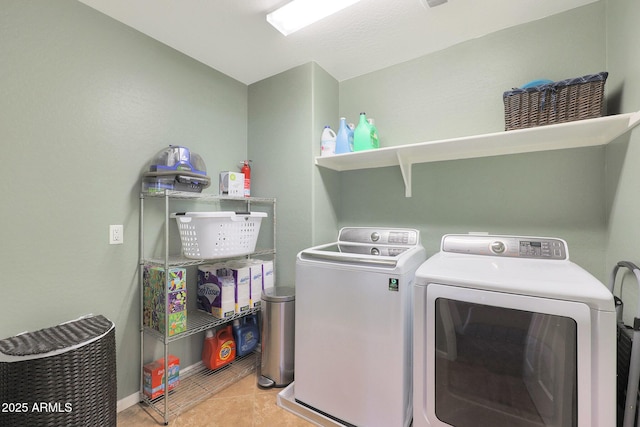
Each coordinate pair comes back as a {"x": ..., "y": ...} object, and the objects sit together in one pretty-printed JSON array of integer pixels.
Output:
[{"x": 278, "y": 334}]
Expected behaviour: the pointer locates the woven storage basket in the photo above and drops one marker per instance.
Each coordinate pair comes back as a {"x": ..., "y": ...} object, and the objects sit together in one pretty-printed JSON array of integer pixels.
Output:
[
  {"x": 60, "y": 376},
  {"x": 558, "y": 102}
]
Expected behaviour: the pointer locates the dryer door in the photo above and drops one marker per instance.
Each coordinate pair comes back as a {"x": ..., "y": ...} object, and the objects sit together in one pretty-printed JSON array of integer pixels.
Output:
[{"x": 496, "y": 359}]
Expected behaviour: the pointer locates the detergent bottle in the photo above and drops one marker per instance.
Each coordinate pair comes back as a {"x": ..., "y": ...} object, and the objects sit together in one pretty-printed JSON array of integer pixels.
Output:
[
  {"x": 375, "y": 142},
  {"x": 344, "y": 138},
  {"x": 362, "y": 135},
  {"x": 328, "y": 142},
  {"x": 246, "y": 334},
  {"x": 219, "y": 348}
]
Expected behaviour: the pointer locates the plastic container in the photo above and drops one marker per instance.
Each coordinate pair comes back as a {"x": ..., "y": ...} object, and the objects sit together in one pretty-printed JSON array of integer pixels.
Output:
[
  {"x": 211, "y": 235},
  {"x": 362, "y": 135},
  {"x": 375, "y": 142},
  {"x": 328, "y": 142},
  {"x": 219, "y": 348},
  {"x": 177, "y": 158},
  {"x": 175, "y": 168},
  {"x": 344, "y": 138},
  {"x": 246, "y": 334}
]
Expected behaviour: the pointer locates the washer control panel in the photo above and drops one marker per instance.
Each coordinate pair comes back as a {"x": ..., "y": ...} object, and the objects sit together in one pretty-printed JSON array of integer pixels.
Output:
[
  {"x": 380, "y": 236},
  {"x": 507, "y": 246}
]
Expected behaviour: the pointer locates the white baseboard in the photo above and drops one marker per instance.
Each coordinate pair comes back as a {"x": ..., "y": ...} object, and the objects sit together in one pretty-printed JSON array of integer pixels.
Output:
[
  {"x": 134, "y": 398},
  {"x": 128, "y": 401}
]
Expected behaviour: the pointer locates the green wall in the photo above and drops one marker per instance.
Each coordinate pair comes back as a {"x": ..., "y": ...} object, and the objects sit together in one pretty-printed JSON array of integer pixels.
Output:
[
  {"x": 458, "y": 92},
  {"x": 85, "y": 103},
  {"x": 287, "y": 113},
  {"x": 623, "y": 156}
]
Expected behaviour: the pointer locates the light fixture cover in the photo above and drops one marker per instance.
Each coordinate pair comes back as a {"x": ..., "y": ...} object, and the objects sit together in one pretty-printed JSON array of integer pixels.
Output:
[
  {"x": 300, "y": 13},
  {"x": 433, "y": 3}
]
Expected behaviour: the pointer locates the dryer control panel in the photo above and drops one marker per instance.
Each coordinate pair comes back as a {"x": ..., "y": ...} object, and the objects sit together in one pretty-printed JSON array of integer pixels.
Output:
[{"x": 506, "y": 246}]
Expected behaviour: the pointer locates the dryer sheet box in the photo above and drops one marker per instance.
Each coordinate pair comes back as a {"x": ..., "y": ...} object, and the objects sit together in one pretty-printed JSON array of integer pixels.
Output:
[{"x": 154, "y": 376}]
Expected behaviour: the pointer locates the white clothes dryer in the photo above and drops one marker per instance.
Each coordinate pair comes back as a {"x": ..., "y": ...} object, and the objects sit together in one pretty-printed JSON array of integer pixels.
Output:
[
  {"x": 353, "y": 328},
  {"x": 509, "y": 333}
]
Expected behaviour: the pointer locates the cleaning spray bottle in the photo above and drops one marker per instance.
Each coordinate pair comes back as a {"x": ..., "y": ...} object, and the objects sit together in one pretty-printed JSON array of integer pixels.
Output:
[{"x": 246, "y": 170}]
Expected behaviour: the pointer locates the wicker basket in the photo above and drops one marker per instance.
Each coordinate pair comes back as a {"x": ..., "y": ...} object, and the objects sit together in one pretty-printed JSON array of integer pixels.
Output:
[
  {"x": 60, "y": 376},
  {"x": 558, "y": 102}
]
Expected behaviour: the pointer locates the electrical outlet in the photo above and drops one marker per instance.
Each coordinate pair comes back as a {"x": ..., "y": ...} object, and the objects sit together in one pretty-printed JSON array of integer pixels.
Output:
[{"x": 116, "y": 235}]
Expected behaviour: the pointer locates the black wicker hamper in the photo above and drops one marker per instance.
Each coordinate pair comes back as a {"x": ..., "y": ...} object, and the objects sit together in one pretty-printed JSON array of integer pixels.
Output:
[{"x": 62, "y": 376}]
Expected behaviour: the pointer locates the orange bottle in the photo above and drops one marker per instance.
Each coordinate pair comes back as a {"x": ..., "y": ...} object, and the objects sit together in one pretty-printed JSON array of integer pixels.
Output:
[{"x": 219, "y": 348}]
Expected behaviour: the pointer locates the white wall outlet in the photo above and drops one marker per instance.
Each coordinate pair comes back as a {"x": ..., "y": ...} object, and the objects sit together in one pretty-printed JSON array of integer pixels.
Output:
[{"x": 116, "y": 235}]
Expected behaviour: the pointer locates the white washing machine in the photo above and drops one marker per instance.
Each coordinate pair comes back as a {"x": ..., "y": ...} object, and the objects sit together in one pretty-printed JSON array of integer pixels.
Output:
[
  {"x": 509, "y": 333},
  {"x": 353, "y": 329}
]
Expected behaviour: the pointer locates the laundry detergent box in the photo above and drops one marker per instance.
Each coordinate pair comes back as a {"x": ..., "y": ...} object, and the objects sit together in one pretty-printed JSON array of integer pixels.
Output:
[
  {"x": 153, "y": 376},
  {"x": 241, "y": 272},
  {"x": 216, "y": 291},
  {"x": 155, "y": 289}
]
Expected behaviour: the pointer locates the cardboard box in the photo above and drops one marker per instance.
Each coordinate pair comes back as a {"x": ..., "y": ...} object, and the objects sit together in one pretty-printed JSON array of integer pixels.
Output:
[
  {"x": 256, "y": 284},
  {"x": 153, "y": 374},
  {"x": 155, "y": 290},
  {"x": 268, "y": 276},
  {"x": 241, "y": 272},
  {"x": 232, "y": 184}
]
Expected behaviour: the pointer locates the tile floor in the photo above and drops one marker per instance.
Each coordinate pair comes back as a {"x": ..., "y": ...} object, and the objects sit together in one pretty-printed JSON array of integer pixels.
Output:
[{"x": 242, "y": 404}]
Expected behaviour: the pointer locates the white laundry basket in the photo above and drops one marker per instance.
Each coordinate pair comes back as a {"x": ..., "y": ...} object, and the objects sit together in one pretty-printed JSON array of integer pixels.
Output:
[{"x": 210, "y": 235}]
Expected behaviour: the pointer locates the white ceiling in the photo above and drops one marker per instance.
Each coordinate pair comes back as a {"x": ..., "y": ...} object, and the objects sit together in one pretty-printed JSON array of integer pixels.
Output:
[{"x": 233, "y": 36}]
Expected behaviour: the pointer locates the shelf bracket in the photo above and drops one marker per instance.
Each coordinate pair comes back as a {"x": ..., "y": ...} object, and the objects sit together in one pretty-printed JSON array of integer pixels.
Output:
[
  {"x": 405, "y": 170},
  {"x": 634, "y": 119}
]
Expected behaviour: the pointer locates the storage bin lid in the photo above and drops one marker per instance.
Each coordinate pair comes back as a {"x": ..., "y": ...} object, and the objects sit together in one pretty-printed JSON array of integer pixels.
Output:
[{"x": 279, "y": 294}]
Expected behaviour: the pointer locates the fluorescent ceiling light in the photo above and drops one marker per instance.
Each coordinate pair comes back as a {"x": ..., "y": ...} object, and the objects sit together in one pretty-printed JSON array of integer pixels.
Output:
[{"x": 299, "y": 13}]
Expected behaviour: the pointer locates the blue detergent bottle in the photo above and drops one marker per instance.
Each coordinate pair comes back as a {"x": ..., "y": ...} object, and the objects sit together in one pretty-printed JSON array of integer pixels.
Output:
[
  {"x": 246, "y": 334},
  {"x": 344, "y": 138}
]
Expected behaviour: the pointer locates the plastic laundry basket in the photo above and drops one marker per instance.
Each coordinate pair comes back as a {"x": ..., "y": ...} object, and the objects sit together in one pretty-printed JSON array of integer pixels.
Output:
[{"x": 210, "y": 235}]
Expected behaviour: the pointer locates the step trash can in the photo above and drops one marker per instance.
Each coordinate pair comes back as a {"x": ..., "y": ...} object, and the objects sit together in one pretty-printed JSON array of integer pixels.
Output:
[{"x": 278, "y": 316}]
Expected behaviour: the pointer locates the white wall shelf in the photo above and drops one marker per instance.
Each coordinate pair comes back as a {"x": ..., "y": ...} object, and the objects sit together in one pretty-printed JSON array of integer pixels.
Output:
[{"x": 582, "y": 133}]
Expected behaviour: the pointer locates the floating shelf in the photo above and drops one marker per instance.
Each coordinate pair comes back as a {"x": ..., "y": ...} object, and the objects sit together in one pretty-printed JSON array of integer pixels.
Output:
[{"x": 581, "y": 133}]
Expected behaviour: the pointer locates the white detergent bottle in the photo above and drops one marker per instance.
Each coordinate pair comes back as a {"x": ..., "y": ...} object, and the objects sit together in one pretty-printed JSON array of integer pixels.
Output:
[{"x": 328, "y": 142}]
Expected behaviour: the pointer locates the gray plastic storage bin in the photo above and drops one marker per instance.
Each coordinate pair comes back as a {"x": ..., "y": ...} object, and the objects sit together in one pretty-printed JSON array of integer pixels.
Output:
[{"x": 278, "y": 320}]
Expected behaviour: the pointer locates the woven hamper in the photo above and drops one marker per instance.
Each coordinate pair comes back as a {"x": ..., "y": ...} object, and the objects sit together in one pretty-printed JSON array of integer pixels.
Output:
[
  {"x": 60, "y": 376},
  {"x": 558, "y": 102}
]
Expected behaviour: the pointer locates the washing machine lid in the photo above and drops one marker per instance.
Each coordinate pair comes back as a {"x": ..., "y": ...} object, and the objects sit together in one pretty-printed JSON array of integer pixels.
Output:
[
  {"x": 503, "y": 269},
  {"x": 368, "y": 246}
]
